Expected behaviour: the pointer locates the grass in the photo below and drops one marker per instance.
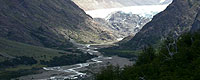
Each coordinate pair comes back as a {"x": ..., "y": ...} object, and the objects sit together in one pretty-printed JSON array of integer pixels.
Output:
[
  {"x": 20, "y": 67},
  {"x": 14, "y": 49},
  {"x": 121, "y": 53},
  {"x": 8, "y": 75}
]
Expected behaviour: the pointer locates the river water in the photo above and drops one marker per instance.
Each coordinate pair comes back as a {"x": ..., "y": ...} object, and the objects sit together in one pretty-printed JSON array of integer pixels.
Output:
[
  {"x": 75, "y": 74},
  {"x": 80, "y": 70}
]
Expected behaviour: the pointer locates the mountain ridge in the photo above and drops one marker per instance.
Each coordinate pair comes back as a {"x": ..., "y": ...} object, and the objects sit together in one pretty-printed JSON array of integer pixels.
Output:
[
  {"x": 165, "y": 24},
  {"x": 49, "y": 23}
]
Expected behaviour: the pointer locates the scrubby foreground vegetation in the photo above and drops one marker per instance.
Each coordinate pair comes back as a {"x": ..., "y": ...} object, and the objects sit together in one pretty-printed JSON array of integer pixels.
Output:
[{"x": 177, "y": 59}]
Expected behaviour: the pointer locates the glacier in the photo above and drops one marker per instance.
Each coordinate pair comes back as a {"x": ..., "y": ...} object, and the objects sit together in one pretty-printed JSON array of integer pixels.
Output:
[{"x": 144, "y": 10}]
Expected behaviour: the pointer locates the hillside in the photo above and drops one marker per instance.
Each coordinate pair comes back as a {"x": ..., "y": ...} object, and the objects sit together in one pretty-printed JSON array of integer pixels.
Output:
[
  {"x": 37, "y": 33},
  {"x": 166, "y": 23},
  {"x": 48, "y": 23},
  {"x": 18, "y": 59},
  {"x": 176, "y": 31},
  {"x": 196, "y": 24},
  {"x": 178, "y": 61}
]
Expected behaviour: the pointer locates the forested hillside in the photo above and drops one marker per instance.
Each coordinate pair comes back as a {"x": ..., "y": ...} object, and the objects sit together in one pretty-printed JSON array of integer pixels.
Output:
[{"x": 177, "y": 59}]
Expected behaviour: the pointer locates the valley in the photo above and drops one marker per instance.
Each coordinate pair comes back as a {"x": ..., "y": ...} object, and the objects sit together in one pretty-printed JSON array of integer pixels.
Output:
[
  {"x": 51, "y": 40},
  {"x": 80, "y": 70},
  {"x": 99, "y": 39}
]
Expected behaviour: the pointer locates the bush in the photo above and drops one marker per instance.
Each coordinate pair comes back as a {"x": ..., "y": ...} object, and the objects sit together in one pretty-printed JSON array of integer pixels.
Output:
[
  {"x": 22, "y": 60},
  {"x": 67, "y": 60}
]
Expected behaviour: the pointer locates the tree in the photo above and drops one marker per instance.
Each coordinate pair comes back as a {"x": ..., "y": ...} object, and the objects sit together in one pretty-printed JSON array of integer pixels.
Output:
[{"x": 147, "y": 55}]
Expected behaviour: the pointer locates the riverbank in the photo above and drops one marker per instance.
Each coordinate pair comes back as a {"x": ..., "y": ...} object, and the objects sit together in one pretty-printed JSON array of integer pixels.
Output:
[{"x": 81, "y": 70}]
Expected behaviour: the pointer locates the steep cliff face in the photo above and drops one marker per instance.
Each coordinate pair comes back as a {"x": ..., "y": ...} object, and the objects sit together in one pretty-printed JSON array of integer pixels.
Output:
[
  {"x": 176, "y": 19},
  {"x": 102, "y": 4},
  {"x": 49, "y": 23}
]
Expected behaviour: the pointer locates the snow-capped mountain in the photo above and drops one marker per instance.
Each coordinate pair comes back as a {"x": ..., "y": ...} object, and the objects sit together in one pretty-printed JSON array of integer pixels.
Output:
[{"x": 124, "y": 17}]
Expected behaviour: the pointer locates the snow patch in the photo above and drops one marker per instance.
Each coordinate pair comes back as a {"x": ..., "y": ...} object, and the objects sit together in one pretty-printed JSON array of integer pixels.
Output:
[
  {"x": 162, "y": 1},
  {"x": 119, "y": 39}
]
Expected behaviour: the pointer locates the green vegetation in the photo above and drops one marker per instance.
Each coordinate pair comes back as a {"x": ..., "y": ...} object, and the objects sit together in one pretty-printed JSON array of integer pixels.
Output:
[
  {"x": 176, "y": 59},
  {"x": 18, "y": 59},
  {"x": 67, "y": 60},
  {"x": 48, "y": 23},
  {"x": 7, "y": 75},
  {"x": 23, "y": 60},
  {"x": 14, "y": 49},
  {"x": 121, "y": 53}
]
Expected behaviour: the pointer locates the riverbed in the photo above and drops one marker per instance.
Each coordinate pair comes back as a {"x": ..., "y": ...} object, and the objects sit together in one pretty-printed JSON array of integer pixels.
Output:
[{"x": 80, "y": 70}]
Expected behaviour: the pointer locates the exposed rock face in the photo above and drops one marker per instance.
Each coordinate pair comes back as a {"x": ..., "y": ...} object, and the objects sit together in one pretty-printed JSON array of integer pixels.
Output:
[
  {"x": 49, "y": 23},
  {"x": 102, "y": 4},
  {"x": 108, "y": 26},
  {"x": 127, "y": 23},
  {"x": 123, "y": 24},
  {"x": 176, "y": 19}
]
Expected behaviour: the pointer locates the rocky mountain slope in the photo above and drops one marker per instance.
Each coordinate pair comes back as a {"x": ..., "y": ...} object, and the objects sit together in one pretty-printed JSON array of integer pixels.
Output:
[
  {"x": 49, "y": 23},
  {"x": 175, "y": 20},
  {"x": 102, "y": 4},
  {"x": 125, "y": 24}
]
